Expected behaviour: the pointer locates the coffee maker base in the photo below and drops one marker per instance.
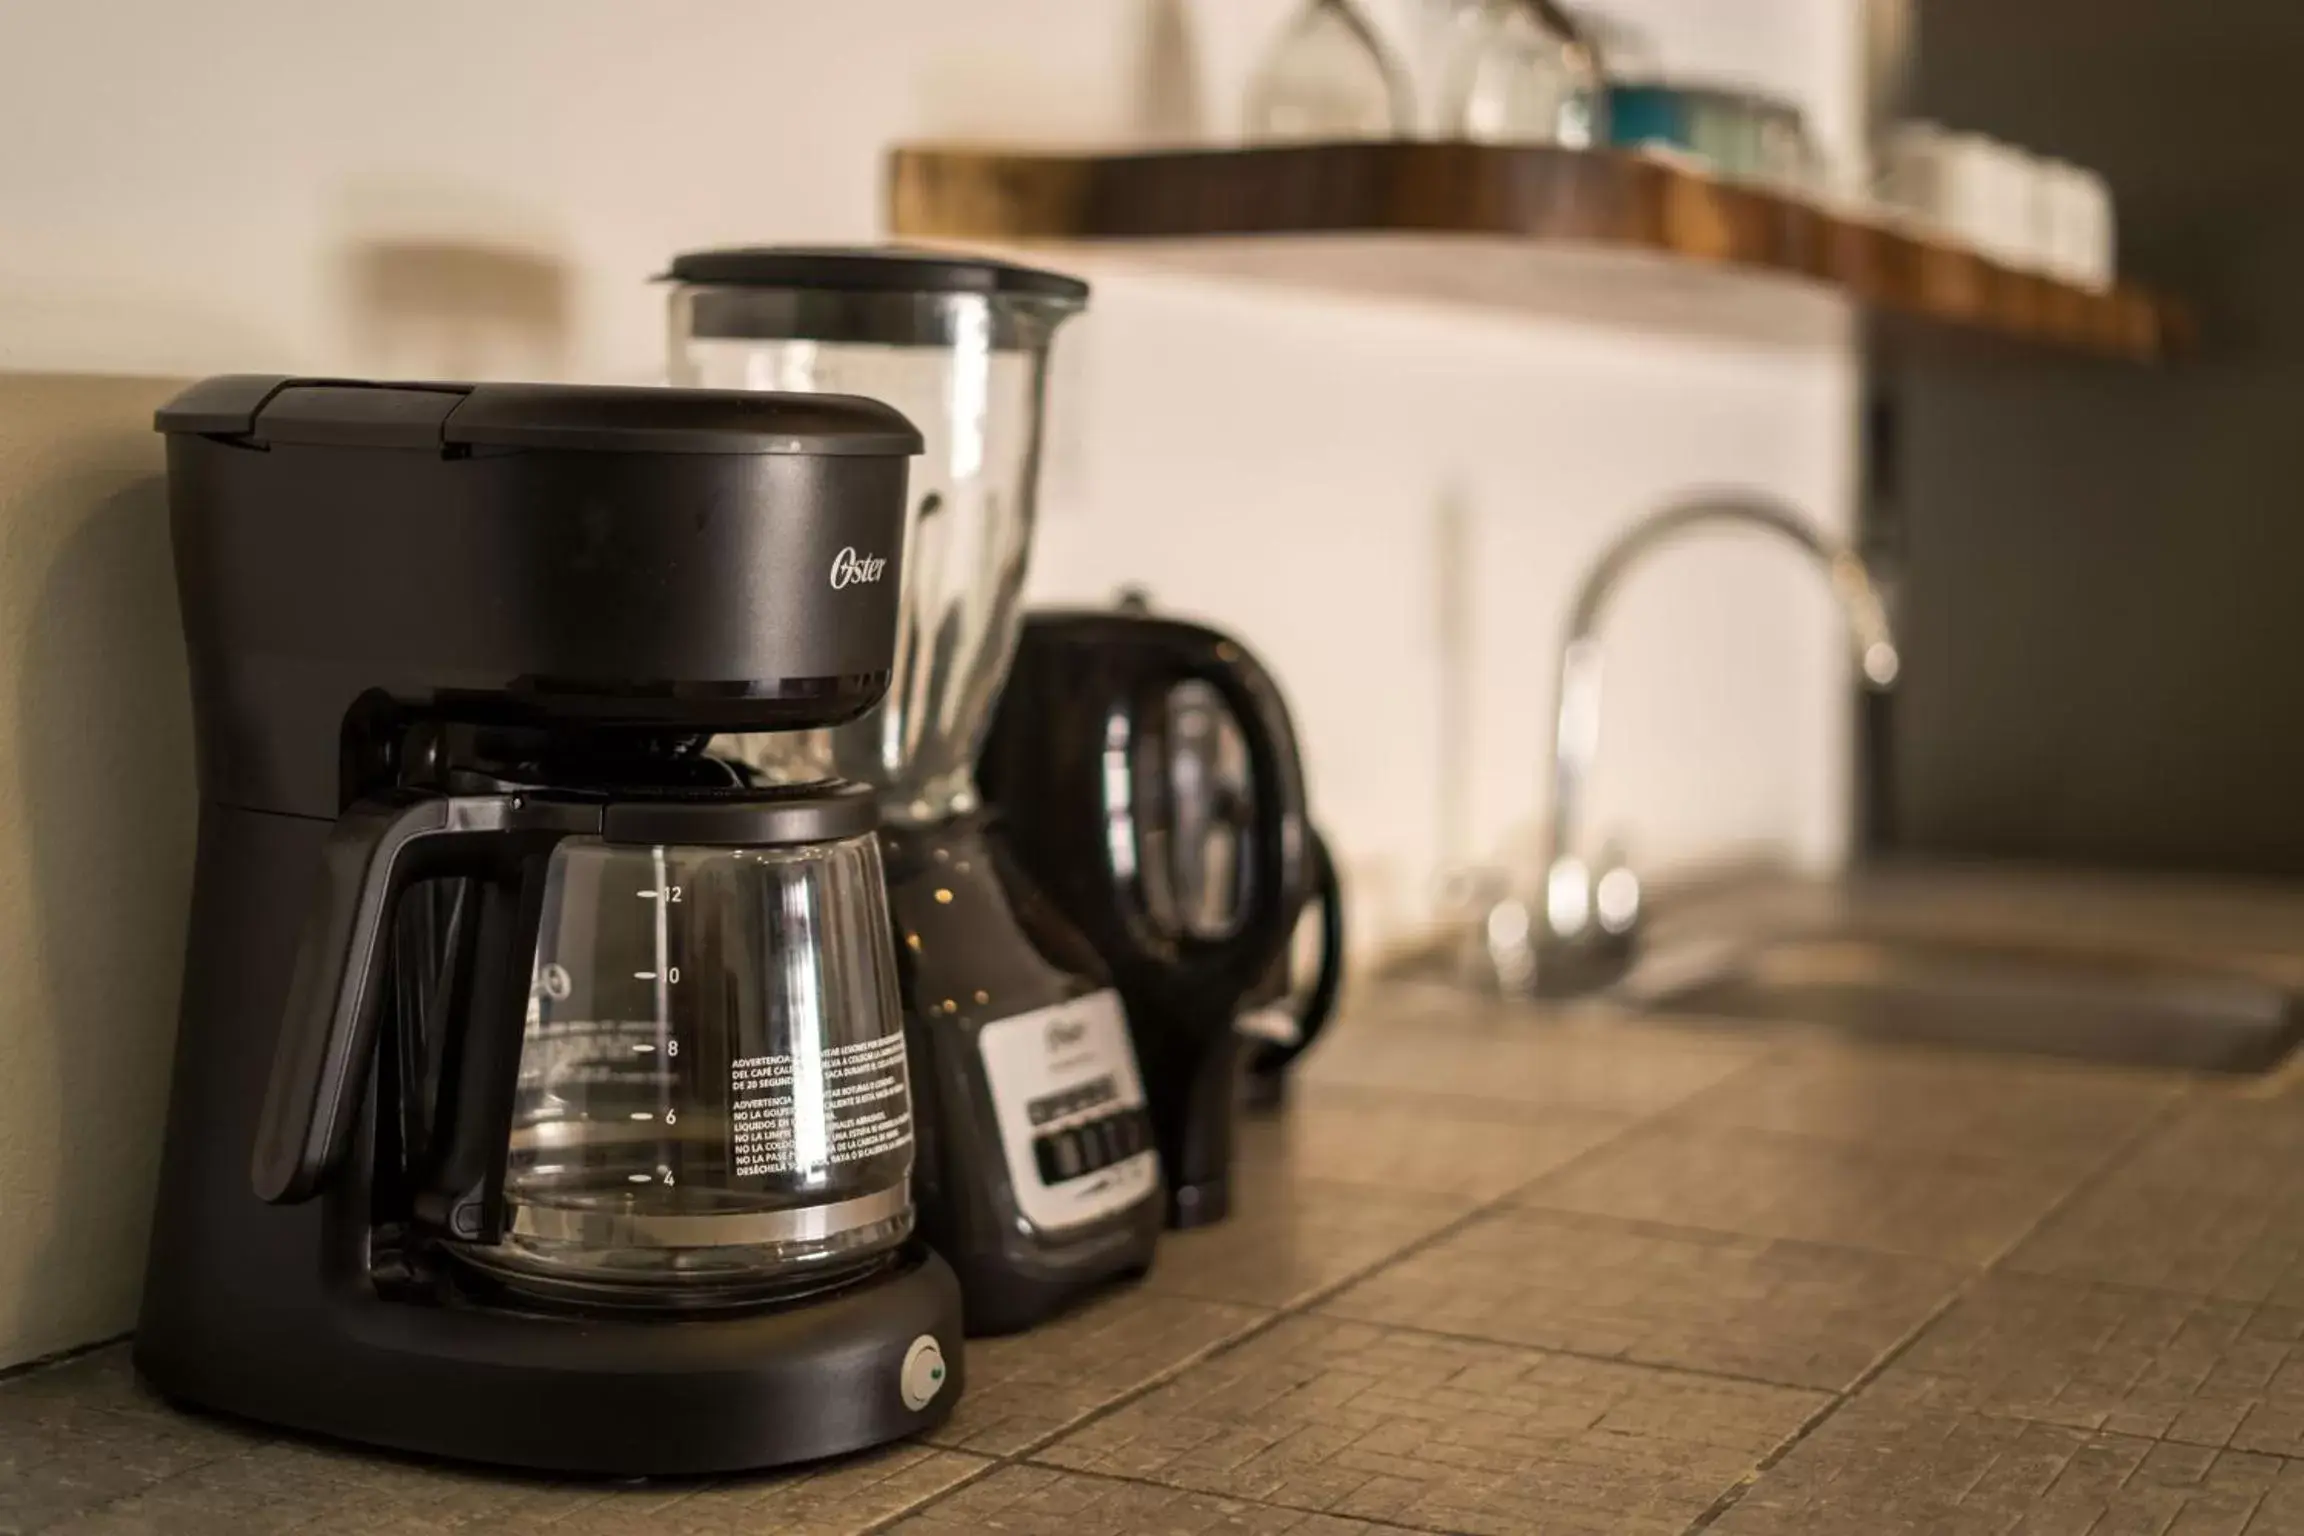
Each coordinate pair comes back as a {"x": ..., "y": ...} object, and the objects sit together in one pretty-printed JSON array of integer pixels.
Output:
[{"x": 593, "y": 1395}]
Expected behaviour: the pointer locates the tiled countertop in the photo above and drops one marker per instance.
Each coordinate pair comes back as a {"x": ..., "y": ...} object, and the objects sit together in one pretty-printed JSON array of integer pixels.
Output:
[{"x": 1500, "y": 1272}]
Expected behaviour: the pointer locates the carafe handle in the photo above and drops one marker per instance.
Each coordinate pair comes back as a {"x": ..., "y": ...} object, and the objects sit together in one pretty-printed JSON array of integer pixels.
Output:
[{"x": 328, "y": 1030}]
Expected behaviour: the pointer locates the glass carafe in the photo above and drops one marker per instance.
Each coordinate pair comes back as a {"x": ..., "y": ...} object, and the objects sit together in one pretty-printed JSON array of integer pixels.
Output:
[
  {"x": 961, "y": 346},
  {"x": 712, "y": 1101}
]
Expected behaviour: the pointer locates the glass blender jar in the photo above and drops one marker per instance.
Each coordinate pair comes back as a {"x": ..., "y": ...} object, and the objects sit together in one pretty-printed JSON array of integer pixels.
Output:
[
  {"x": 1059, "y": 1188},
  {"x": 962, "y": 347}
]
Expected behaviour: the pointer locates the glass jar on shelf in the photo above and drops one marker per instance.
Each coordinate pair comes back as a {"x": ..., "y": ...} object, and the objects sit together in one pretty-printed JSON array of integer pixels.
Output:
[
  {"x": 1522, "y": 72},
  {"x": 1330, "y": 77}
]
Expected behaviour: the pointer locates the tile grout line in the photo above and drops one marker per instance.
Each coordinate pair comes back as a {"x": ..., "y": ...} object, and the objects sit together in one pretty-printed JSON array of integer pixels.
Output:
[
  {"x": 1312, "y": 1299},
  {"x": 1506, "y": 1202},
  {"x": 2113, "y": 1161},
  {"x": 1456, "y": 1107},
  {"x": 1305, "y": 1305},
  {"x": 1772, "y": 1052},
  {"x": 926, "y": 1501},
  {"x": 1265, "y": 1317},
  {"x": 1902, "y": 1155},
  {"x": 1634, "y": 1125},
  {"x": 1274, "y": 1317},
  {"x": 2121, "y": 1154},
  {"x": 2133, "y": 1288},
  {"x": 1125, "y": 1480},
  {"x": 1767, "y": 1046},
  {"x": 1271, "y": 1318},
  {"x": 1687, "y": 1114},
  {"x": 1650, "y": 1227},
  {"x": 247, "y": 1437},
  {"x": 1590, "y": 1356}
]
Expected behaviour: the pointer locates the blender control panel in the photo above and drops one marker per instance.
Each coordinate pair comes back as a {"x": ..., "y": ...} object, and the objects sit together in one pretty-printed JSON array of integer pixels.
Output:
[
  {"x": 1070, "y": 1107},
  {"x": 1085, "y": 1130}
]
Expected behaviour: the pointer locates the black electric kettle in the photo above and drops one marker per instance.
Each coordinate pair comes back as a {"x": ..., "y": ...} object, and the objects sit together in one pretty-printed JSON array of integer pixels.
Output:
[{"x": 1147, "y": 776}]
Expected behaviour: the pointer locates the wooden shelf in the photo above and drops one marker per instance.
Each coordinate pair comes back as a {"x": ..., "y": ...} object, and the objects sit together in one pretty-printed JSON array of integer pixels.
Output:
[{"x": 1491, "y": 223}]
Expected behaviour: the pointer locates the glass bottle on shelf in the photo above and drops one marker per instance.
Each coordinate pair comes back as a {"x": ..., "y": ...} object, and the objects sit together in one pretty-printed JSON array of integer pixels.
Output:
[
  {"x": 1522, "y": 73},
  {"x": 1330, "y": 77}
]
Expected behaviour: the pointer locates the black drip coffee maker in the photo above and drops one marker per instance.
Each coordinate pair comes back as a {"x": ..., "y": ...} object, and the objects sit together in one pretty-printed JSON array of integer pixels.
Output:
[{"x": 571, "y": 1060}]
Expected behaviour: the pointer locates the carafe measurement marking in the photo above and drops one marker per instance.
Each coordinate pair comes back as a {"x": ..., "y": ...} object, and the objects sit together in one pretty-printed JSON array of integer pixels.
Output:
[{"x": 666, "y": 976}]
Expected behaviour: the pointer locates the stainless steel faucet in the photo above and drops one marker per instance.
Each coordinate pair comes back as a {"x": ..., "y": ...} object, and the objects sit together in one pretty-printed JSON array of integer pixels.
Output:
[{"x": 1582, "y": 932}]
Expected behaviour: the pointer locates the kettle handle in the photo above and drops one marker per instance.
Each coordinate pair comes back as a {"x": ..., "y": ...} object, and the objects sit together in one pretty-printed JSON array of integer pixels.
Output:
[
  {"x": 1268, "y": 1061},
  {"x": 1282, "y": 872},
  {"x": 328, "y": 1029}
]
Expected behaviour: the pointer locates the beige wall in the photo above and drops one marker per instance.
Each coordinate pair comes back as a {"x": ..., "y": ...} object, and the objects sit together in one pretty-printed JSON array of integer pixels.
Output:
[{"x": 95, "y": 849}]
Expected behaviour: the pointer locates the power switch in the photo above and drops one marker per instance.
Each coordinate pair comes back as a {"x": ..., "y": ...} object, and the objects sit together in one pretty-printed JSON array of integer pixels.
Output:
[{"x": 923, "y": 1373}]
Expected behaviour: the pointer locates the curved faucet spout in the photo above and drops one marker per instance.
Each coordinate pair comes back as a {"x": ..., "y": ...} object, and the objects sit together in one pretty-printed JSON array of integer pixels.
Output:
[
  {"x": 1596, "y": 911},
  {"x": 1860, "y": 600}
]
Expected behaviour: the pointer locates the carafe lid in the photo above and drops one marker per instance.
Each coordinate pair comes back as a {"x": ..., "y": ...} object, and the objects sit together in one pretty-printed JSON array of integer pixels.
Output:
[
  {"x": 264, "y": 409},
  {"x": 871, "y": 269},
  {"x": 788, "y": 816}
]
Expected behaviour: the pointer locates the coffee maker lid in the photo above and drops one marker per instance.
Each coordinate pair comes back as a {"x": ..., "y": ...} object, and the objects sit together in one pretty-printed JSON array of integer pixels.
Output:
[
  {"x": 264, "y": 409},
  {"x": 871, "y": 269}
]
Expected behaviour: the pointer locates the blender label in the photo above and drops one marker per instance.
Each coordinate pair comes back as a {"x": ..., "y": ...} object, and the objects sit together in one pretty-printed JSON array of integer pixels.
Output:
[
  {"x": 857, "y": 1107},
  {"x": 1070, "y": 1107}
]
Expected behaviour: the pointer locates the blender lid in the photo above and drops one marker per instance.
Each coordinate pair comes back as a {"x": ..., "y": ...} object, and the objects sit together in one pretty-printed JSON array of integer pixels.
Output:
[
  {"x": 871, "y": 269},
  {"x": 264, "y": 409}
]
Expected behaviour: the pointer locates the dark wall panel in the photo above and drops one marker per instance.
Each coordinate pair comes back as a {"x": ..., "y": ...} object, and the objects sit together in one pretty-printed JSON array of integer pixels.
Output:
[{"x": 2101, "y": 571}]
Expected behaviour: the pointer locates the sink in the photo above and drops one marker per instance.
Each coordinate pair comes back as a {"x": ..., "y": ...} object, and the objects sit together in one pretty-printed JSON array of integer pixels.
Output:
[{"x": 2041, "y": 1000}]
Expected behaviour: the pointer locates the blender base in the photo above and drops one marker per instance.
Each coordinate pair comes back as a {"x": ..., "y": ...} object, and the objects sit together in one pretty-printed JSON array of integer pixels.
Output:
[
  {"x": 1030, "y": 1021},
  {"x": 599, "y": 1395},
  {"x": 1003, "y": 1293}
]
